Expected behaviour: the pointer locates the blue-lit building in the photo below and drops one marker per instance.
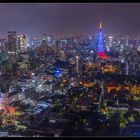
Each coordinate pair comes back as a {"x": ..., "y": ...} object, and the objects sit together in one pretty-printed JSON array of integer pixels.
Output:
[
  {"x": 100, "y": 49},
  {"x": 100, "y": 40}
]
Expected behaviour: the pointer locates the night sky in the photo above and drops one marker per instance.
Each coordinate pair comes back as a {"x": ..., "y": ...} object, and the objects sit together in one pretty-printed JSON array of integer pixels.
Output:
[{"x": 68, "y": 19}]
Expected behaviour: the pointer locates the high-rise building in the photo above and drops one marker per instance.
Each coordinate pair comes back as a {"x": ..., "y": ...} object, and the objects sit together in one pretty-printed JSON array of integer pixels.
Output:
[
  {"x": 12, "y": 41},
  {"x": 23, "y": 41},
  {"x": 13, "y": 52},
  {"x": 100, "y": 50},
  {"x": 3, "y": 44},
  {"x": 51, "y": 40},
  {"x": 44, "y": 37}
]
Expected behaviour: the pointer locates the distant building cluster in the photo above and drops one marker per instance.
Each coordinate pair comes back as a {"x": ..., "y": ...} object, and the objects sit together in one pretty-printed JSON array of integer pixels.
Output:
[{"x": 86, "y": 72}]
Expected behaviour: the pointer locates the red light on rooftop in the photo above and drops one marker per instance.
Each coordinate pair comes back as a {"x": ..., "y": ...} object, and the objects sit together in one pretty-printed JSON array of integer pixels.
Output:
[{"x": 102, "y": 55}]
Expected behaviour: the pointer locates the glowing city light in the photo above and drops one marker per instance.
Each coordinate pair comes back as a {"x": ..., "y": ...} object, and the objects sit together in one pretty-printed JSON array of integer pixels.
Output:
[
  {"x": 33, "y": 74},
  {"x": 110, "y": 37},
  {"x": 77, "y": 57},
  {"x": 58, "y": 71},
  {"x": 122, "y": 61}
]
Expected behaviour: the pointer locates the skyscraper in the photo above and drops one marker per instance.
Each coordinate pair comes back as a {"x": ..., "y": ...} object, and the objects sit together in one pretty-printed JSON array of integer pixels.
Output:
[
  {"x": 23, "y": 42},
  {"x": 100, "y": 50},
  {"x": 12, "y": 41}
]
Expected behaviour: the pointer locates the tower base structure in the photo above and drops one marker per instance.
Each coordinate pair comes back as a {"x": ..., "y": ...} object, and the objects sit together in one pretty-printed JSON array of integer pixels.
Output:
[{"x": 102, "y": 55}]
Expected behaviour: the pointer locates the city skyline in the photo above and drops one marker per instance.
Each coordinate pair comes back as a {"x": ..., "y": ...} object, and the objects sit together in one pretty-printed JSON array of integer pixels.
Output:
[
  {"x": 68, "y": 19},
  {"x": 65, "y": 70}
]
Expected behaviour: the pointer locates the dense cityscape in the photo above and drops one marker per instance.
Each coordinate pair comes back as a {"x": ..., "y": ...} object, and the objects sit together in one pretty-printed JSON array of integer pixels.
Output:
[{"x": 62, "y": 86}]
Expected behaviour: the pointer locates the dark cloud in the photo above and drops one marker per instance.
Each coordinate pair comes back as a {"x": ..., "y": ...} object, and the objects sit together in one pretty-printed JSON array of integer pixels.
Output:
[{"x": 35, "y": 19}]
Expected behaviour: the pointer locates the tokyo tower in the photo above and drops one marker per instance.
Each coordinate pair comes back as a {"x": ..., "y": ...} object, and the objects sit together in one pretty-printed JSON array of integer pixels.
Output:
[{"x": 100, "y": 50}]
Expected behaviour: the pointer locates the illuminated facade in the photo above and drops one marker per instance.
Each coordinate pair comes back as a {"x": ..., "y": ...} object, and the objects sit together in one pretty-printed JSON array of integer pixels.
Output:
[
  {"x": 110, "y": 43},
  {"x": 100, "y": 50},
  {"x": 44, "y": 37},
  {"x": 23, "y": 42},
  {"x": 110, "y": 68}
]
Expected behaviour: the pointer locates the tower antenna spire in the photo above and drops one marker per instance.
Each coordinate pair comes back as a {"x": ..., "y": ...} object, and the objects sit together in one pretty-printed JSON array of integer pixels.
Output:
[{"x": 101, "y": 25}]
